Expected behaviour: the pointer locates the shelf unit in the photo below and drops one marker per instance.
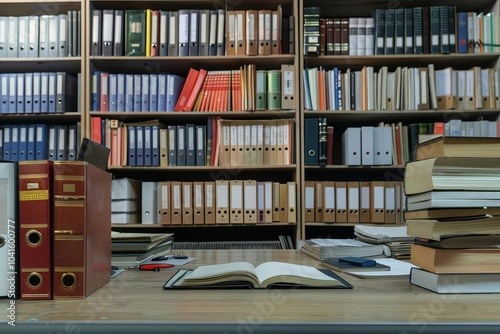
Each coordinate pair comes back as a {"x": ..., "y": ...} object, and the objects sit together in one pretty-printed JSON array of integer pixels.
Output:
[
  {"x": 340, "y": 120},
  {"x": 180, "y": 65},
  {"x": 73, "y": 65}
]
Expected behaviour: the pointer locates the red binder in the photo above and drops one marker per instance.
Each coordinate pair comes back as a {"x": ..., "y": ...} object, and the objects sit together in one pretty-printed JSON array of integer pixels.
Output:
[
  {"x": 82, "y": 229},
  {"x": 35, "y": 218},
  {"x": 186, "y": 89}
]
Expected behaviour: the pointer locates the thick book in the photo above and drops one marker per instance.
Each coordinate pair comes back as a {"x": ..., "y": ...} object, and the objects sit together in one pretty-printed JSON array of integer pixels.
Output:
[
  {"x": 380, "y": 234},
  {"x": 447, "y": 212},
  {"x": 81, "y": 229},
  {"x": 121, "y": 259},
  {"x": 436, "y": 229},
  {"x": 455, "y": 283},
  {"x": 458, "y": 147},
  {"x": 263, "y": 276},
  {"x": 130, "y": 237},
  {"x": 452, "y": 199},
  {"x": 35, "y": 218},
  {"x": 139, "y": 247},
  {"x": 462, "y": 241},
  {"x": 446, "y": 261},
  {"x": 328, "y": 248},
  {"x": 339, "y": 265},
  {"x": 452, "y": 173}
]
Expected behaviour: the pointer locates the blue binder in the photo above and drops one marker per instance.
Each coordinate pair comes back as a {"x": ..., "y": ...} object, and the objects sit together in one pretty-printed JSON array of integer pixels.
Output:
[
  {"x": 155, "y": 146},
  {"x": 129, "y": 92},
  {"x": 153, "y": 92},
  {"x": 162, "y": 92},
  {"x": 120, "y": 92},
  {"x": 145, "y": 92},
  {"x": 7, "y": 142},
  {"x": 52, "y": 138},
  {"x": 14, "y": 143},
  {"x": 28, "y": 93},
  {"x": 23, "y": 143},
  {"x": 113, "y": 93},
  {"x": 36, "y": 92},
  {"x": 132, "y": 162},
  {"x": 139, "y": 142},
  {"x": 137, "y": 92},
  {"x": 31, "y": 146},
  {"x": 147, "y": 146},
  {"x": 44, "y": 92},
  {"x": 96, "y": 89},
  {"x": 4, "y": 87},
  {"x": 174, "y": 87},
  {"x": 42, "y": 141}
]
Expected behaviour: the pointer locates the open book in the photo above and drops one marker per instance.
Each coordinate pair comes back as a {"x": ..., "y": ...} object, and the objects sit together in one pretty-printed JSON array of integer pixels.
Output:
[{"x": 265, "y": 275}]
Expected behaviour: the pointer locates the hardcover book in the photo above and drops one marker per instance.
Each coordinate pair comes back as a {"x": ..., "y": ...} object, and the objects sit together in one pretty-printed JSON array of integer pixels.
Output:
[{"x": 265, "y": 275}]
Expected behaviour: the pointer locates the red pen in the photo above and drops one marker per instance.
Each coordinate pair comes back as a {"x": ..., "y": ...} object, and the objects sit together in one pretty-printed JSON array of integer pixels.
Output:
[{"x": 152, "y": 266}]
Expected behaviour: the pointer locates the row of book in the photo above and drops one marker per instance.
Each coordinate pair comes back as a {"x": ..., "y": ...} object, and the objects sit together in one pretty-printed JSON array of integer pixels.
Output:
[
  {"x": 19, "y": 142},
  {"x": 191, "y": 32},
  {"x": 56, "y": 199},
  {"x": 135, "y": 92},
  {"x": 238, "y": 90},
  {"x": 405, "y": 88},
  {"x": 40, "y": 35},
  {"x": 417, "y": 30},
  {"x": 354, "y": 202},
  {"x": 206, "y": 202},
  {"x": 453, "y": 212},
  {"x": 38, "y": 92},
  {"x": 220, "y": 142},
  {"x": 226, "y": 90}
]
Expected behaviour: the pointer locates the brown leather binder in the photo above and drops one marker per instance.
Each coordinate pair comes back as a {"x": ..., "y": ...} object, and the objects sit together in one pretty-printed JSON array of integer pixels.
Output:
[
  {"x": 377, "y": 201},
  {"x": 240, "y": 32},
  {"x": 318, "y": 193},
  {"x": 236, "y": 202},
  {"x": 292, "y": 202},
  {"x": 252, "y": 32},
  {"x": 276, "y": 201},
  {"x": 309, "y": 200},
  {"x": 344, "y": 36},
  {"x": 176, "y": 202},
  {"x": 390, "y": 202},
  {"x": 250, "y": 201},
  {"x": 322, "y": 36},
  {"x": 353, "y": 202},
  {"x": 222, "y": 202},
  {"x": 328, "y": 201},
  {"x": 210, "y": 209},
  {"x": 341, "y": 202},
  {"x": 35, "y": 219},
  {"x": 82, "y": 229},
  {"x": 187, "y": 205},
  {"x": 276, "y": 31},
  {"x": 337, "y": 36},
  {"x": 230, "y": 33},
  {"x": 329, "y": 36},
  {"x": 364, "y": 202},
  {"x": 198, "y": 203},
  {"x": 283, "y": 203},
  {"x": 264, "y": 32},
  {"x": 164, "y": 191}
]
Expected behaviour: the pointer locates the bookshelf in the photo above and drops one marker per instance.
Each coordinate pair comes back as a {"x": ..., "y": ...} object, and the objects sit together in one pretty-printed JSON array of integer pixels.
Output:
[
  {"x": 175, "y": 64},
  {"x": 340, "y": 120},
  {"x": 25, "y": 61}
]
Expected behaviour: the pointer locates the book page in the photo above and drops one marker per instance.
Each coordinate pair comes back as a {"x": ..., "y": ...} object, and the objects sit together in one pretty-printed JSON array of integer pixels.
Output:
[
  {"x": 226, "y": 272},
  {"x": 280, "y": 272}
]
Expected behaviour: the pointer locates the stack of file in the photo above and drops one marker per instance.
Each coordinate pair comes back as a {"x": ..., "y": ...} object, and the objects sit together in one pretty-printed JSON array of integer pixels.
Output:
[
  {"x": 454, "y": 213},
  {"x": 130, "y": 249},
  {"x": 125, "y": 201}
]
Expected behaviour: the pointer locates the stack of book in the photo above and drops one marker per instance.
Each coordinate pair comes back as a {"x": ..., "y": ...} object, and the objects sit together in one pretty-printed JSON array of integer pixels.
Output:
[
  {"x": 130, "y": 249},
  {"x": 453, "y": 203},
  {"x": 126, "y": 201},
  {"x": 395, "y": 239},
  {"x": 321, "y": 249}
]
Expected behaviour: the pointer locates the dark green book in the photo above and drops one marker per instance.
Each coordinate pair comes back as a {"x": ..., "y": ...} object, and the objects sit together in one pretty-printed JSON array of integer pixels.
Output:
[{"x": 135, "y": 32}]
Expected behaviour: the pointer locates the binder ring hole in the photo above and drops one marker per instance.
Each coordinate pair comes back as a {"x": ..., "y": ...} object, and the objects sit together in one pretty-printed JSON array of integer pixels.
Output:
[
  {"x": 68, "y": 280},
  {"x": 34, "y": 280},
  {"x": 2, "y": 241},
  {"x": 33, "y": 237}
]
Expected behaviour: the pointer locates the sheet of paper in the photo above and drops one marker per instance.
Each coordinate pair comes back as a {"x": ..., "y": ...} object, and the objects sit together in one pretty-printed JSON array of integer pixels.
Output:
[{"x": 340, "y": 242}]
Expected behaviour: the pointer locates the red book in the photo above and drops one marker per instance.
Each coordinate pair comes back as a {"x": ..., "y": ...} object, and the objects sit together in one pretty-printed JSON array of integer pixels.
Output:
[
  {"x": 82, "y": 229},
  {"x": 95, "y": 130},
  {"x": 186, "y": 89},
  {"x": 439, "y": 128},
  {"x": 196, "y": 90},
  {"x": 35, "y": 221}
]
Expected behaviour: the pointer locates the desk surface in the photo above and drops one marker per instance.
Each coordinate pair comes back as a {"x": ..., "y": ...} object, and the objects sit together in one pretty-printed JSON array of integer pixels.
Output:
[{"x": 136, "y": 298}]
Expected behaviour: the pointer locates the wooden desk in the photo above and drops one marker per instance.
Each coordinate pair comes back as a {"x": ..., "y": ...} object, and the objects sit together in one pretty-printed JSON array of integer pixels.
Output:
[{"x": 134, "y": 302}]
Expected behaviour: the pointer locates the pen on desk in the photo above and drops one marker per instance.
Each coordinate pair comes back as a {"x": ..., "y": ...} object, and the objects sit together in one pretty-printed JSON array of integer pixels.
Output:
[{"x": 152, "y": 266}]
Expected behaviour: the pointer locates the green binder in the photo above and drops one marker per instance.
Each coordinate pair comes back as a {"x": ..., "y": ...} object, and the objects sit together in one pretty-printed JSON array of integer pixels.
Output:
[
  {"x": 135, "y": 32},
  {"x": 274, "y": 90},
  {"x": 261, "y": 90}
]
